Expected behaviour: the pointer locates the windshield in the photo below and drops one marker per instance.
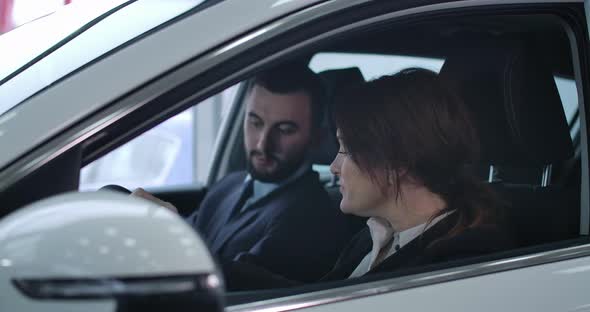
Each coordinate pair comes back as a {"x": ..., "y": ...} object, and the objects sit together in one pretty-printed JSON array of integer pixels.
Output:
[{"x": 39, "y": 53}]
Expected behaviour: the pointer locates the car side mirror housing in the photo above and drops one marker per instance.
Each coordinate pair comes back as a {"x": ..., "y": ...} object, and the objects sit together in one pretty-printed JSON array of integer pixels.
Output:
[{"x": 104, "y": 251}]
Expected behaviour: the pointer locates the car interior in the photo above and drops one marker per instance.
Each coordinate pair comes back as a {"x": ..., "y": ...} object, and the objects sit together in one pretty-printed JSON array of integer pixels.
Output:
[{"x": 505, "y": 68}]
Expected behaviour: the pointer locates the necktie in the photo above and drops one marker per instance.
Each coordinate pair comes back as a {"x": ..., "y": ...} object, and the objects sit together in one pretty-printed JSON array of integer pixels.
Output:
[{"x": 247, "y": 192}]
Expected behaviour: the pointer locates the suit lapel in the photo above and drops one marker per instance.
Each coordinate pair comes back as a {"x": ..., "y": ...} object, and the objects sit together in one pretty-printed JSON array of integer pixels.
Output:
[
  {"x": 351, "y": 256},
  {"x": 232, "y": 228},
  {"x": 234, "y": 202},
  {"x": 407, "y": 254},
  {"x": 234, "y": 220}
]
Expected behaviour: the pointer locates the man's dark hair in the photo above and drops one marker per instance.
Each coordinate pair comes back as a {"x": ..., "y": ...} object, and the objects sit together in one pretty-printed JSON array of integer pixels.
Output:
[{"x": 294, "y": 77}]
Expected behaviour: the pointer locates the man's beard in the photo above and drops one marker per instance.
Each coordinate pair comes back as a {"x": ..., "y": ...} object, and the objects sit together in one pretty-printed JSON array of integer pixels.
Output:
[{"x": 283, "y": 169}]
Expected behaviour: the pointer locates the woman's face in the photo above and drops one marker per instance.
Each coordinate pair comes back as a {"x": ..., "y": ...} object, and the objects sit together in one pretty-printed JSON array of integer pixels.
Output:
[{"x": 360, "y": 195}]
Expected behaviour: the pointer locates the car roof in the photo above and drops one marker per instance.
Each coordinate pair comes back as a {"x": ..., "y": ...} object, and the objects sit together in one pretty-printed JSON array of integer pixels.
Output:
[
  {"x": 31, "y": 39},
  {"x": 74, "y": 96},
  {"x": 47, "y": 49}
]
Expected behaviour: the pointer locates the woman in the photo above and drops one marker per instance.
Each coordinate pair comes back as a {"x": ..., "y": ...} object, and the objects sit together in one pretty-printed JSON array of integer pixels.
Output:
[{"x": 405, "y": 148}]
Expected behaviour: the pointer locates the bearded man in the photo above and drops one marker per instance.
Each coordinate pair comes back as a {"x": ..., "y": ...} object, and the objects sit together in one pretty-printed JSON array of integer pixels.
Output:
[{"x": 276, "y": 214}]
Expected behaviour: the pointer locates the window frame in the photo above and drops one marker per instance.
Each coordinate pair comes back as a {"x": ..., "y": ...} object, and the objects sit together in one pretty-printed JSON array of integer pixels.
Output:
[{"x": 520, "y": 258}]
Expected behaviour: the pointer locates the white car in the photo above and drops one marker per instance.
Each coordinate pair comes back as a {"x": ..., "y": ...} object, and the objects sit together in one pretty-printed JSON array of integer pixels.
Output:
[{"x": 76, "y": 86}]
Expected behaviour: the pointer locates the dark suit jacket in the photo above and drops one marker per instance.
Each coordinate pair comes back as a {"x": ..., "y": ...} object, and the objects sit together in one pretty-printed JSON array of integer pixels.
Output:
[
  {"x": 294, "y": 231},
  {"x": 423, "y": 250}
]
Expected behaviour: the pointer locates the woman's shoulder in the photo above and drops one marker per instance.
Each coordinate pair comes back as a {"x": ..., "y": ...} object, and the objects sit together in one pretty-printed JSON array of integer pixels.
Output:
[{"x": 472, "y": 241}]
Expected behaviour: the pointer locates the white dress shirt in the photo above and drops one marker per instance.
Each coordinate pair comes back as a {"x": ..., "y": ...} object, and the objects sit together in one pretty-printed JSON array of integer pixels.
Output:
[
  {"x": 263, "y": 189},
  {"x": 387, "y": 242}
]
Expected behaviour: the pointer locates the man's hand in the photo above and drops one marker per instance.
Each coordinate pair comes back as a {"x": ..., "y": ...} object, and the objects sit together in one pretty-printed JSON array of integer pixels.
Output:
[{"x": 141, "y": 193}]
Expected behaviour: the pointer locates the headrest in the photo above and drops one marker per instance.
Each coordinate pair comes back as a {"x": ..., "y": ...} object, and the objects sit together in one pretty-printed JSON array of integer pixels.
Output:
[
  {"x": 338, "y": 78},
  {"x": 514, "y": 101},
  {"x": 334, "y": 80}
]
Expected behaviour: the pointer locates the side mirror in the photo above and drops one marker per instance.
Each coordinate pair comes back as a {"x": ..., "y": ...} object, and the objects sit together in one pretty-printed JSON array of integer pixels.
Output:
[{"x": 104, "y": 251}]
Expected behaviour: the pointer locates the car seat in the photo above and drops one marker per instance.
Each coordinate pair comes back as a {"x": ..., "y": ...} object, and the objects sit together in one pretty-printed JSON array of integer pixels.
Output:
[{"x": 515, "y": 104}]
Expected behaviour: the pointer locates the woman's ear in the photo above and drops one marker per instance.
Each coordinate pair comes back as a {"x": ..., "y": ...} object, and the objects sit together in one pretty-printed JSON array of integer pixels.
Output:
[
  {"x": 396, "y": 176},
  {"x": 391, "y": 177}
]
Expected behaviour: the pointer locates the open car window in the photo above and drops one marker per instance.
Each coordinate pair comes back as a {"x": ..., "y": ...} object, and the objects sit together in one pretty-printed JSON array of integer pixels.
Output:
[
  {"x": 176, "y": 153},
  {"x": 541, "y": 186},
  {"x": 372, "y": 65},
  {"x": 569, "y": 98}
]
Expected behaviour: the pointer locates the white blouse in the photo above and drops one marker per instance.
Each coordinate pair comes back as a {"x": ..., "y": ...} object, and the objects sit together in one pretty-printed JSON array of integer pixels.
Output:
[{"x": 384, "y": 238}]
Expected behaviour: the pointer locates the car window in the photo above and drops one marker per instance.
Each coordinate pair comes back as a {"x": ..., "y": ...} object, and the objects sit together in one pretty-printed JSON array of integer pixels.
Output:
[
  {"x": 372, "y": 65},
  {"x": 569, "y": 98},
  {"x": 176, "y": 152},
  {"x": 534, "y": 174}
]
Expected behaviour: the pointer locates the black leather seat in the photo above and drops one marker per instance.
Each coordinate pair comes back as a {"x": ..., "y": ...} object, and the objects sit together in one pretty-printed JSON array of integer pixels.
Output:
[{"x": 515, "y": 103}]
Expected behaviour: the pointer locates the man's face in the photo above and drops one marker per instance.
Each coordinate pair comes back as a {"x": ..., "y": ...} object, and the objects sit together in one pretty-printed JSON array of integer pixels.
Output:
[{"x": 277, "y": 133}]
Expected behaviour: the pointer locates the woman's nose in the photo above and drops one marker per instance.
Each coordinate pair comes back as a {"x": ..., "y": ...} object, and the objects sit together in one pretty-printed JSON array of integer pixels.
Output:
[{"x": 335, "y": 165}]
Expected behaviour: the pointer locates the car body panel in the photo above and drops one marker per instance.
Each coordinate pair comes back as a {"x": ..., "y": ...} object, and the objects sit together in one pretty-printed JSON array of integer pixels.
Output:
[
  {"x": 560, "y": 286},
  {"x": 73, "y": 98},
  {"x": 43, "y": 33},
  {"x": 498, "y": 277},
  {"x": 83, "y": 48}
]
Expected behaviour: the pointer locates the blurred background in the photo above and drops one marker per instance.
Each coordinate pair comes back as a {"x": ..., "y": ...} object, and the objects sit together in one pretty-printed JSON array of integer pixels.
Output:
[{"x": 14, "y": 13}]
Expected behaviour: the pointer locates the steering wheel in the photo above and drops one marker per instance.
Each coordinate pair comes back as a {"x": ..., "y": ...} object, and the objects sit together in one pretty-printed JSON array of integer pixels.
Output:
[{"x": 116, "y": 188}]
